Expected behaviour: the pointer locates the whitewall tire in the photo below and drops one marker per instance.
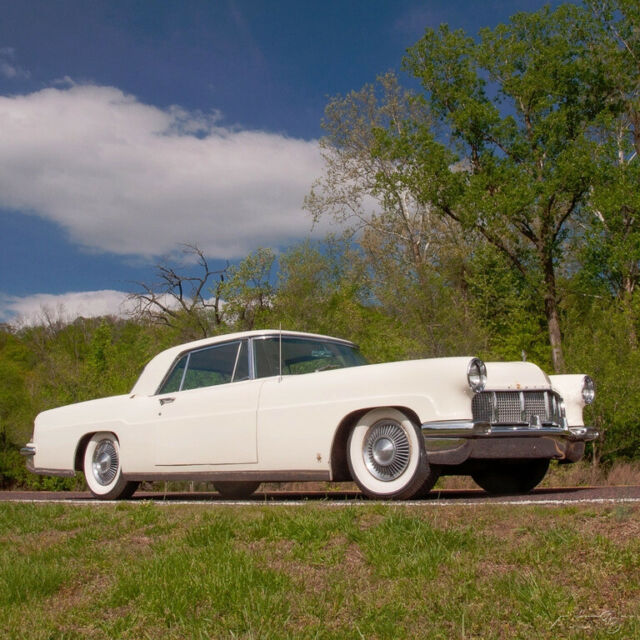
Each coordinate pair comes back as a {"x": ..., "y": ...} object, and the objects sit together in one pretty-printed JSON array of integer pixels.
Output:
[
  {"x": 386, "y": 455},
  {"x": 102, "y": 468}
]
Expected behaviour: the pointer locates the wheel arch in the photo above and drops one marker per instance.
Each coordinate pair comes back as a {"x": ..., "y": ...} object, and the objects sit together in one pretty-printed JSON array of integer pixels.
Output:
[
  {"x": 339, "y": 465},
  {"x": 78, "y": 463}
]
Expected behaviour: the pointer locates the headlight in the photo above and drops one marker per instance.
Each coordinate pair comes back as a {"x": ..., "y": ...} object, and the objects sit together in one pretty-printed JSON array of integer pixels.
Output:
[
  {"x": 477, "y": 375},
  {"x": 588, "y": 390}
]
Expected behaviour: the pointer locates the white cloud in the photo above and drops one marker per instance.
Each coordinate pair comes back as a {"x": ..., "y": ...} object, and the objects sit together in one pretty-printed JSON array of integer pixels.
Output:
[
  {"x": 46, "y": 308},
  {"x": 130, "y": 178},
  {"x": 8, "y": 67},
  {"x": 41, "y": 308}
]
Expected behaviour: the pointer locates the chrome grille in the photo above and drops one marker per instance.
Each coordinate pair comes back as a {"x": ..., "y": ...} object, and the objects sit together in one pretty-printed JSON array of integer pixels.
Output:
[{"x": 513, "y": 407}]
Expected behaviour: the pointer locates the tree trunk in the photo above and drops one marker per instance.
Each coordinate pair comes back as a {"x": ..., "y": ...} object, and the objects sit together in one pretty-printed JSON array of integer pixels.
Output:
[
  {"x": 627, "y": 304},
  {"x": 553, "y": 319},
  {"x": 555, "y": 337}
]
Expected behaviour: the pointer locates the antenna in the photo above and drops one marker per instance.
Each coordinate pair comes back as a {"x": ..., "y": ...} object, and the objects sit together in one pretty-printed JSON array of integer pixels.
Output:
[{"x": 280, "y": 353}]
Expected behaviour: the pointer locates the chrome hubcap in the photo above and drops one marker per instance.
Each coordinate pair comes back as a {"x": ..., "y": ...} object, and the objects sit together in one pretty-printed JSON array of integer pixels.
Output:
[
  {"x": 386, "y": 450},
  {"x": 105, "y": 462}
]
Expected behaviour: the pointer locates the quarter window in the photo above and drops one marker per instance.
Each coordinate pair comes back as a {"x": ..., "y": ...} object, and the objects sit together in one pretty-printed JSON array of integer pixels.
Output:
[{"x": 173, "y": 382}]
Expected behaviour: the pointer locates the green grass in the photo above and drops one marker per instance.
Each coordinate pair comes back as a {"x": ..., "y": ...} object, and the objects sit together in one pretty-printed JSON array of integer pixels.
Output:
[{"x": 143, "y": 570}]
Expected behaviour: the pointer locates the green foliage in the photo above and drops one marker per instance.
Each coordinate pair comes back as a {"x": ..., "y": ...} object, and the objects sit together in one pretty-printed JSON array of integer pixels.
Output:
[
  {"x": 46, "y": 367},
  {"x": 520, "y": 104},
  {"x": 15, "y": 407},
  {"x": 599, "y": 342},
  {"x": 504, "y": 303},
  {"x": 247, "y": 291},
  {"x": 321, "y": 287}
]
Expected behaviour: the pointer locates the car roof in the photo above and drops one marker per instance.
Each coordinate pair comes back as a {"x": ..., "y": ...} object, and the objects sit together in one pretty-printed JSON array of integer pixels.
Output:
[{"x": 157, "y": 368}]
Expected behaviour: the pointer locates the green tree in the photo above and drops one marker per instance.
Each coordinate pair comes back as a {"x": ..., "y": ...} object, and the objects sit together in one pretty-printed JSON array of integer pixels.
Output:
[
  {"x": 612, "y": 252},
  {"x": 501, "y": 299},
  {"x": 597, "y": 342},
  {"x": 518, "y": 106},
  {"x": 326, "y": 288},
  {"x": 351, "y": 189},
  {"x": 16, "y": 364},
  {"x": 414, "y": 259},
  {"x": 247, "y": 291}
]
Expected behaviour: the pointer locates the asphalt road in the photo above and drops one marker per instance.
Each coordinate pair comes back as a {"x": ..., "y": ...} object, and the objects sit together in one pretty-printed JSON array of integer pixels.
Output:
[{"x": 449, "y": 497}]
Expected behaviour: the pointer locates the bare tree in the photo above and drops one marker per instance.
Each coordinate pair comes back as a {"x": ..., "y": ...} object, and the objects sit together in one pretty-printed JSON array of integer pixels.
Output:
[{"x": 190, "y": 304}]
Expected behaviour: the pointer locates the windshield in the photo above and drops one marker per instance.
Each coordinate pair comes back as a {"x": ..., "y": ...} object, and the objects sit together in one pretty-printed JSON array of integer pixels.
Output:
[{"x": 303, "y": 355}]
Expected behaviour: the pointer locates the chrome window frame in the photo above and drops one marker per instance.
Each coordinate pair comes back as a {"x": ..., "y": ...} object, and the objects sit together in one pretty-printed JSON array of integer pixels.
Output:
[{"x": 250, "y": 342}]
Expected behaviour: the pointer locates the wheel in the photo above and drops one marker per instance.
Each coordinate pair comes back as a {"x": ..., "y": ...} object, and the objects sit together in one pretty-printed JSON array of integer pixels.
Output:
[
  {"x": 102, "y": 469},
  {"x": 240, "y": 489},
  {"x": 511, "y": 477},
  {"x": 386, "y": 455}
]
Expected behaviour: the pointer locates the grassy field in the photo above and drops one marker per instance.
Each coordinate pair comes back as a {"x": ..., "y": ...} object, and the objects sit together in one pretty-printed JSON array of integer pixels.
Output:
[{"x": 142, "y": 570}]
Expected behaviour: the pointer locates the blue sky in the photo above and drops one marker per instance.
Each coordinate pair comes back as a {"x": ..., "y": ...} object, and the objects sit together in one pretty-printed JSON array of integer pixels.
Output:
[{"x": 129, "y": 127}]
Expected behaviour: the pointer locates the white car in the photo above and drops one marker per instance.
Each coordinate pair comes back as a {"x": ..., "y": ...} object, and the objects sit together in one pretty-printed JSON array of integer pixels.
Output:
[{"x": 262, "y": 406}]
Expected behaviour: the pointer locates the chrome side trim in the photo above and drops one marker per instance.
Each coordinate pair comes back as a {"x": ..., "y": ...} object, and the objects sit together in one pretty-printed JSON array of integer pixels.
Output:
[
  {"x": 213, "y": 476},
  {"x": 64, "y": 473}
]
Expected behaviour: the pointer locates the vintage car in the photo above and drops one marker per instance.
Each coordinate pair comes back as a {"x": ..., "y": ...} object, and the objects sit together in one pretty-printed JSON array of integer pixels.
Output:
[{"x": 261, "y": 406}]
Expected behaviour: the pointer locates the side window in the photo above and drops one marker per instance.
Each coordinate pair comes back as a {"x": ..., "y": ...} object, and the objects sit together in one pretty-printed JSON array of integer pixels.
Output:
[
  {"x": 208, "y": 367},
  {"x": 302, "y": 355},
  {"x": 306, "y": 356},
  {"x": 212, "y": 366}
]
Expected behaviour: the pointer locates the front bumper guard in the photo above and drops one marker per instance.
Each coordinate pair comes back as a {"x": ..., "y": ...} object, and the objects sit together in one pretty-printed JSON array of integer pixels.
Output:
[{"x": 452, "y": 442}]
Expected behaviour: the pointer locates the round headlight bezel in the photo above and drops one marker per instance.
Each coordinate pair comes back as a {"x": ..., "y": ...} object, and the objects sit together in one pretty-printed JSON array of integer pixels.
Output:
[
  {"x": 477, "y": 375},
  {"x": 588, "y": 390}
]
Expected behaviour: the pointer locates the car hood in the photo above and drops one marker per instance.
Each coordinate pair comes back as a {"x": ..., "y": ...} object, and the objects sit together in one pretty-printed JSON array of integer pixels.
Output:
[{"x": 514, "y": 376}]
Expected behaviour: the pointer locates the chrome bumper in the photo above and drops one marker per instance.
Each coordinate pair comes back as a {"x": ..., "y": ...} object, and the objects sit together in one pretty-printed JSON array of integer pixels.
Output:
[
  {"x": 29, "y": 451},
  {"x": 455, "y": 442}
]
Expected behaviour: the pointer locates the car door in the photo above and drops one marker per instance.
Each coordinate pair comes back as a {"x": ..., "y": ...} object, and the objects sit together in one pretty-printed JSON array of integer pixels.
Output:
[{"x": 207, "y": 409}]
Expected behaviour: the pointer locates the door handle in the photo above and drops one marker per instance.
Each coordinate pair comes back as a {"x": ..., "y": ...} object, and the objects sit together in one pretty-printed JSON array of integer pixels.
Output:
[{"x": 164, "y": 401}]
